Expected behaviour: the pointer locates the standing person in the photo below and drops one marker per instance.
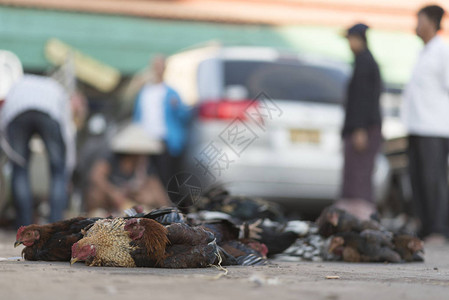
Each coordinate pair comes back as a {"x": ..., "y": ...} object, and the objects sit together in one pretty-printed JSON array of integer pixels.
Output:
[
  {"x": 425, "y": 113},
  {"x": 39, "y": 105},
  {"x": 362, "y": 127},
  {"x": 164, "y": 116}
]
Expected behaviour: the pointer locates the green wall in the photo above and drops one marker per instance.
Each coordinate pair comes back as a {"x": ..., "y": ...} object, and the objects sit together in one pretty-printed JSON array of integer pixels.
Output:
[{"x": 127, "y": 42}]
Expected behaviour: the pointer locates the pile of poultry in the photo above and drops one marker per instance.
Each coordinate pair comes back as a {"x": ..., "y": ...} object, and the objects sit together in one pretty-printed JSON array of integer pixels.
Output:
[
  {"x": 220, "y": 230},
  {"x": 353, "y": 240},
  {"x": 162, "y": 238}
]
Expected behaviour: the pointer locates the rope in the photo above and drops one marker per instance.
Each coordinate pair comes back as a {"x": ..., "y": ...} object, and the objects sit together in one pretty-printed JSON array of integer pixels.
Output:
[{"x": 218, "y": 266}]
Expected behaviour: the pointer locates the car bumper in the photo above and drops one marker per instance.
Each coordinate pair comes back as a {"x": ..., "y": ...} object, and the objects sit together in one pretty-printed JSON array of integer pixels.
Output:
[{"x": 287, "y": 182}]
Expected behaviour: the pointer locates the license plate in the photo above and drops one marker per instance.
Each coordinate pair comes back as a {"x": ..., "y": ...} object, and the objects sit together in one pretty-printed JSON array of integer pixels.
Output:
[{"x": 305, "y": 136}]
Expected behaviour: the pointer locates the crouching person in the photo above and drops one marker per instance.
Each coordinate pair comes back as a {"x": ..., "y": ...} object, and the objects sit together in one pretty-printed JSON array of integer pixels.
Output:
[{"x": 120, "y": 180}]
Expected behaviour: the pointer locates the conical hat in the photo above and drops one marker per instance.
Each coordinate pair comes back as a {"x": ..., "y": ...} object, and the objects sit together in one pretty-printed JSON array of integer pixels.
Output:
[{"x": 133, "y": 139}]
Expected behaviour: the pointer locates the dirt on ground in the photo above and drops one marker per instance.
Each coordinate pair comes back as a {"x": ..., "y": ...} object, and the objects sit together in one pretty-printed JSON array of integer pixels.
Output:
[{"x": 278, "y": 280}]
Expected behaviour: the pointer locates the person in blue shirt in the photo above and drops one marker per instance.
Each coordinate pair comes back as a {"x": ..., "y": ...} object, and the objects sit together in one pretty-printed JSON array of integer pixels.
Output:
[{"x": 161, "y": 112}]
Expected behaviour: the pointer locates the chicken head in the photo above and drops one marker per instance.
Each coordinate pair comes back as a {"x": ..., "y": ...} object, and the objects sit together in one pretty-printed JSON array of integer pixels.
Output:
[
  {"x": 82, "y": 252},
  {"x": 27, "y": 235}
]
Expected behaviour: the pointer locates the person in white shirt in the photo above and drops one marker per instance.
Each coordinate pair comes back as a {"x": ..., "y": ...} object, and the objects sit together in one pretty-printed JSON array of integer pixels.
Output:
[
  {"x": 425, "y": 113},
  {"x": 39, "y": 105}
]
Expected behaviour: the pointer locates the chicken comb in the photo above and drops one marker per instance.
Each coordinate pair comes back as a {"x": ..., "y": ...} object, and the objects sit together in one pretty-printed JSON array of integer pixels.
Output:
[
  {"x": 130, "y": 222},
  {"x": 20, "y": 231}
]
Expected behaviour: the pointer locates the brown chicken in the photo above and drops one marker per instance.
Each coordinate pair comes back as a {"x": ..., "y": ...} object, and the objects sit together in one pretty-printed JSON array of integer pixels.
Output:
[
  {"x": 409, "y": 247},
  {"x": 149, "y": 238},
  {"x": 346, "y": 251},
  {"x": 51, "y": 242},
  {"x": 106, "y": 243}
]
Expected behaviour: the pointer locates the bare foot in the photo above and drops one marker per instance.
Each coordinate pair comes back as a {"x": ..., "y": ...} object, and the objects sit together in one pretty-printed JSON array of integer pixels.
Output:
[
  {"x": 357, "y": 207},
  {"x": 435, "y": 239}
]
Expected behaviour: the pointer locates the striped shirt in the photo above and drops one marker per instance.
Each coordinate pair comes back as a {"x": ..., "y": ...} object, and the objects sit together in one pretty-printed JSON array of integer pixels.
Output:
[{"x": 46, "y": 95}]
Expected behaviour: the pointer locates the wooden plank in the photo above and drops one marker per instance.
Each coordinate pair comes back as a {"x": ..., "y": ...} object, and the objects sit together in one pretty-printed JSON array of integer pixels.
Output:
[{"x": 101, "y": 76}]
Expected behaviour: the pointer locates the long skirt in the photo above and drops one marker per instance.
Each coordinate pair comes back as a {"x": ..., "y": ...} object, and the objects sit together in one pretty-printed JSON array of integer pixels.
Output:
[{"x": 359, "y": 166}]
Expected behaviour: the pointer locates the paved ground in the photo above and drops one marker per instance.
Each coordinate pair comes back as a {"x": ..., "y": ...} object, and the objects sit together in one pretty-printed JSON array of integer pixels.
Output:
[{"x": 304, "y": 280}]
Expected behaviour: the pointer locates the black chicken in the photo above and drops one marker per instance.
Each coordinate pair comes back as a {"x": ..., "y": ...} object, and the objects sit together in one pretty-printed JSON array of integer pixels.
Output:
[
  {"x": 239, "y": 207},
  {"x": 235, "y": 246}
]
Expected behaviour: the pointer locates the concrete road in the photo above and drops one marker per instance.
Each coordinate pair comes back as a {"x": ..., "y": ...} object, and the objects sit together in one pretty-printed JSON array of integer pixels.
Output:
[{"x": 300, "y": 280}]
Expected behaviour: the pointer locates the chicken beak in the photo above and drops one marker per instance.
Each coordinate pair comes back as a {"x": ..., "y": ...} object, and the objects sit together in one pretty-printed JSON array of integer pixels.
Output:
[
  {"x": 17, "y": 243},
  {"x": 73, "y": 260},
  {"x": 334, "y": 219},
  {"x": 332, "y": 247}
]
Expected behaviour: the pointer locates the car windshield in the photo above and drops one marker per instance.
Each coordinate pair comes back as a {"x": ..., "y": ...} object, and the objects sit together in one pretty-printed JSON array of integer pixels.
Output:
[{"x": 290, "y": 80}]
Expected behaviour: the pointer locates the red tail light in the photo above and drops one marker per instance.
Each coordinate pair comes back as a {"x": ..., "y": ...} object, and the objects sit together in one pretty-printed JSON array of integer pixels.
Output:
[{"x": 225, "y": 109}]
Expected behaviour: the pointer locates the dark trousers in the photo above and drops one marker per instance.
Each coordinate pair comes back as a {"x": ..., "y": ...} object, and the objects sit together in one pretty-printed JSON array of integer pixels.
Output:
[
  {"x": 20, "y": 130},
  {"x": 428, "y": 166},
  {"x": 359, "y": 166}
]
